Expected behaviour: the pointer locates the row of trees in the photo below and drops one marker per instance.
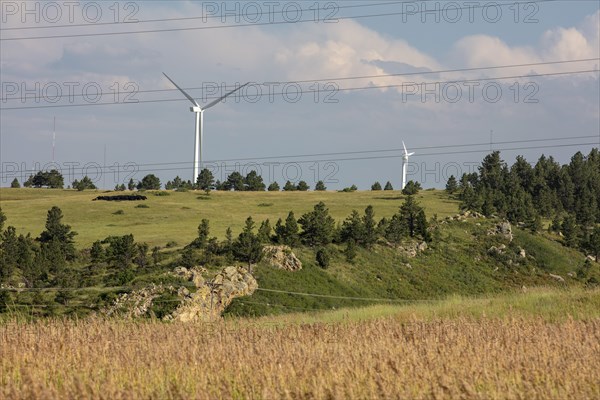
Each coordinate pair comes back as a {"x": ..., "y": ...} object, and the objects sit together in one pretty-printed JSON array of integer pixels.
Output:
[
  {"x": 316, "y": 229},
  {"x": 568, "y": 194}
]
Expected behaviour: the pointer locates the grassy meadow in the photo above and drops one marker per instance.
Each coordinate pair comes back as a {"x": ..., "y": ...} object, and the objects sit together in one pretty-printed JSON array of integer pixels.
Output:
[
  {"x": 176, "y": 217},
  {"x": 543, "y": 344}
]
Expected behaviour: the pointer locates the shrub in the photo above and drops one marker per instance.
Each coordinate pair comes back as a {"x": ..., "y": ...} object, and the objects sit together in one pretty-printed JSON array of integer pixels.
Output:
[{"x": 323, "y": 257}]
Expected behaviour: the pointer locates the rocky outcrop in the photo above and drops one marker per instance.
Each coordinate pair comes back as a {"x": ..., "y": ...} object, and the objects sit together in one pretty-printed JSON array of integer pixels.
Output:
[
  {"x": 464, "y": 215},
  {"x": 282, "y": 257},
  {"x": 557, "y": 277},
  {"x": 411, "y": 249},
  {"x": 207, "y": 303},
  {"x": 139, "y": 302},
  {"x": 212, "y": 297},
  {"x": 502, "y": 229}
]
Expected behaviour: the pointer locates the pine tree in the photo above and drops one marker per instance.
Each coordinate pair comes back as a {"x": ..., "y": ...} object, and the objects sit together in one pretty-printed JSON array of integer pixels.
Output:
[
  {"x": 254, "y": 182},
  {"x": 411, "y": 188},
  {"x": 131, "y": 185},
  {"x": 264, "y": 232},
  {"x": 203, "y": 233},
  {"x": 236, "y": 182},
  {"x": 97, "y": 252},
  {"x": 248, "y": 247},
  {"x": 61, "y": 233},
  {"x": 320, "y": 187},
  {"x": 350, "y": 251},
  {"x": 451, "y": 185},
  {"x": 317, "y": 226},
  {"x": 141, "y": 258},
  {"x": 388, "y": 186},
  {"x": 274, "y": 187},
  {"x": 289, "y": 187},
  {"x": 302, "y": 186},
  {"x": 369, "y": 227},
  {"x": 2, "y": 220},
  {"x": 376, "y": 186},
  {"x": 15, "y": 184},
  {"x": 352, "y": 228},
  {"x": 205, "y": 180},
  {"x": 570, "y": 231}
]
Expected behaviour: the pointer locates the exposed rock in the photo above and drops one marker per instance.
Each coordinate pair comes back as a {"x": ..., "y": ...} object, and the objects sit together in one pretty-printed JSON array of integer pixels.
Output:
[
  {"x": 503, "y": 229},
  {"x": 557, "y": 277},
  {"x": 192, "y": 275},
  {"x": 591, "y": 258},
  {"x": 522, "y": 253},
  {"x": 209, "y": 301},
  {"x": 137, "y": 303},
  {"x": 206, "y": 304},
  {"x": 282, "y": 257},
  {"x": 422, "y": 246},
  {"x": 411, "y": 249},
  {"x": 571, "y": 274}
]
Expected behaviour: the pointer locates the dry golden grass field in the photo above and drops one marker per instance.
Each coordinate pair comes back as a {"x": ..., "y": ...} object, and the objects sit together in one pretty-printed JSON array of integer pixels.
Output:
[{"x": 445, "y": 350}]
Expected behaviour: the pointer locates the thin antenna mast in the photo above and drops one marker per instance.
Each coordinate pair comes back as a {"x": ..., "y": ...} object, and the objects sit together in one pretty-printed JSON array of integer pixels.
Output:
[{"x": 53, "y": 138}]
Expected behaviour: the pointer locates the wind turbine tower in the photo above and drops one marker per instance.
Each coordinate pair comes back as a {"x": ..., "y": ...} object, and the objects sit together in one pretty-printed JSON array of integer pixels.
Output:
[
  {"x": 200, "y": 123},
  {"x": 405, "y": 164}
]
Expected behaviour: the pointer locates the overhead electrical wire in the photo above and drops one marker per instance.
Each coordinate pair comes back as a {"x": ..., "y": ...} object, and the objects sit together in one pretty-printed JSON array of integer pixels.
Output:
[
  {"x": 331, "y": 80},
  {"x": 130, "y": 167},
  {"x": 340, "y": 18},
  {"x": 298, "y": 92}
]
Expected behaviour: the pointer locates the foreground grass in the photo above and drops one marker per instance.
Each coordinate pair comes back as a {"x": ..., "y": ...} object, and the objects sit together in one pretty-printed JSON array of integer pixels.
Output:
[
  {"x": 179, "y": 214},
  {"x": 443, "y": 350}
]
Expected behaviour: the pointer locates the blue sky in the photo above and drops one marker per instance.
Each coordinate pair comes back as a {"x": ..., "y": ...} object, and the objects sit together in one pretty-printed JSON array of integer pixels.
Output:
[{"x": 157, "y": 136}]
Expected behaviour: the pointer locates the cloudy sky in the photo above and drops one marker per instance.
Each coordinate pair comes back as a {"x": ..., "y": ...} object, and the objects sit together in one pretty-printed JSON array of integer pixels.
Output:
[{"x": 343, "y": 84}]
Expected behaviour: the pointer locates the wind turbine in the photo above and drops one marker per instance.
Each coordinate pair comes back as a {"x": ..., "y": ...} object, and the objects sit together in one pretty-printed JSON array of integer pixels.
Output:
[
  {"x": 200, "y": 123},
  {"x": 405, "y": 164}
]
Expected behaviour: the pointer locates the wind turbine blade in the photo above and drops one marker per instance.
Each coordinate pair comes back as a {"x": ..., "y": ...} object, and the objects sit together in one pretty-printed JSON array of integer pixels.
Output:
[
  {"x": 183, "y": 91},
  {"x": 411, "y": 154},
  {"x": 403, "y": 145},
  {"x": 214, "y": 103}
]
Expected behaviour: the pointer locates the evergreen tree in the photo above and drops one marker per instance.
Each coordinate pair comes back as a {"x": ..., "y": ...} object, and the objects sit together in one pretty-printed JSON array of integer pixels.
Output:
[
  {"x": 131, "y": 185},
  {"x": 320, "y": 187},
  {"x": 264, "y": 232},
  {"x": 350, "y": 251},
  {"x": 97, "y": 252},
  {"x": 141, "y": 258},
  {"x": 85, "y": 183},
  {"x": 323, "y": 257},
  {"x": 203, "y": 233},
  {"x": 155, "y": 255},
  {"x": 15, "y": 184},
  {"x": 593, "y": 245},
  {"x": 120, "y": 251},
  {"x": 376, "y": 186},
  {"x": 188, "y": 258},
  {"x": 274, "y": 187},
  {"x": 287, "y": 233},
  {"x": 570, "y": 231},
  {"x": 412, "y": 216},
  {"x": 205, "y": 180},
  {"x": 411, "y": 188},
  {"x": 236, "y": 182},
  {"x": 302, "y": 186},
  {"x": 2, "y": 220},
  {"x": 289, "y": 187},
  {"x": 388, "y": 186},
  {"x": 247, "y": 247},
  {"x": 369, "y": 227},
  {"x": 254, "y": 182},
  {"x": 352, "y": 228},
  {"x": 317, "y": 226},
  {"x": 395, "y": 229},
  {"x": 58, "y": 232},
  {"x": 149, "y": 182},
  {"x": 451, "y": 185}
]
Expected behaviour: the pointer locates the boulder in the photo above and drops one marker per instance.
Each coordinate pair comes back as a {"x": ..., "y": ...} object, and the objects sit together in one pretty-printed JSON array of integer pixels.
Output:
[
  {"x": 282, "y": 257},
  {"x": 211, "y": 299},
  {"x": 503, "y": 229},
  {"x": 591, "y": 258},
  {"x": 557, "y": 277}
]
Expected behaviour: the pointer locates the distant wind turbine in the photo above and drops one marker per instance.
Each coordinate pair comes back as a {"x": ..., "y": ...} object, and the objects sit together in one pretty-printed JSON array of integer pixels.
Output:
[
  {"x": 405, "y": 164},
  {"x": 200, "y": 123}
]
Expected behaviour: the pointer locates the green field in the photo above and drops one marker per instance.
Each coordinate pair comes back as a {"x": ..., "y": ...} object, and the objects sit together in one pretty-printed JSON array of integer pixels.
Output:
[{"x": 176, "y": 217}]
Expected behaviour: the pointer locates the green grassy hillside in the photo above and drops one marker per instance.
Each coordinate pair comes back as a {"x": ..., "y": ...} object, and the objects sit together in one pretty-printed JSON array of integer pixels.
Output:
[
  {"x": 459, "y": 263},
  {"x": 176, "y": 217}
]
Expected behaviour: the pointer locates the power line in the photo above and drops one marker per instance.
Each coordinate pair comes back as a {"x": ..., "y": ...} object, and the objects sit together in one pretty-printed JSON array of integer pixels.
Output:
[
  {"x": 203, "y": 17},
  {"x": 299, "y": 92},
  {"x": 379, "y": 76},
  {"x": 280, "y": 157},
  {"x": 388, "y": 14}
]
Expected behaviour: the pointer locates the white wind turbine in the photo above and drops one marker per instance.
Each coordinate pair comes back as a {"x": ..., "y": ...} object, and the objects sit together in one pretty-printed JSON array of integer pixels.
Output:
[
  {"x": 200, "y": 123},
  {"x": 405, "y": 164}
]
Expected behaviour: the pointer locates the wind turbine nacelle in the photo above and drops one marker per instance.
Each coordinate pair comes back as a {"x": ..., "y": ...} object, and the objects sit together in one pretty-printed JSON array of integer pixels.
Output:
[{"x": 195, "y": 109}]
